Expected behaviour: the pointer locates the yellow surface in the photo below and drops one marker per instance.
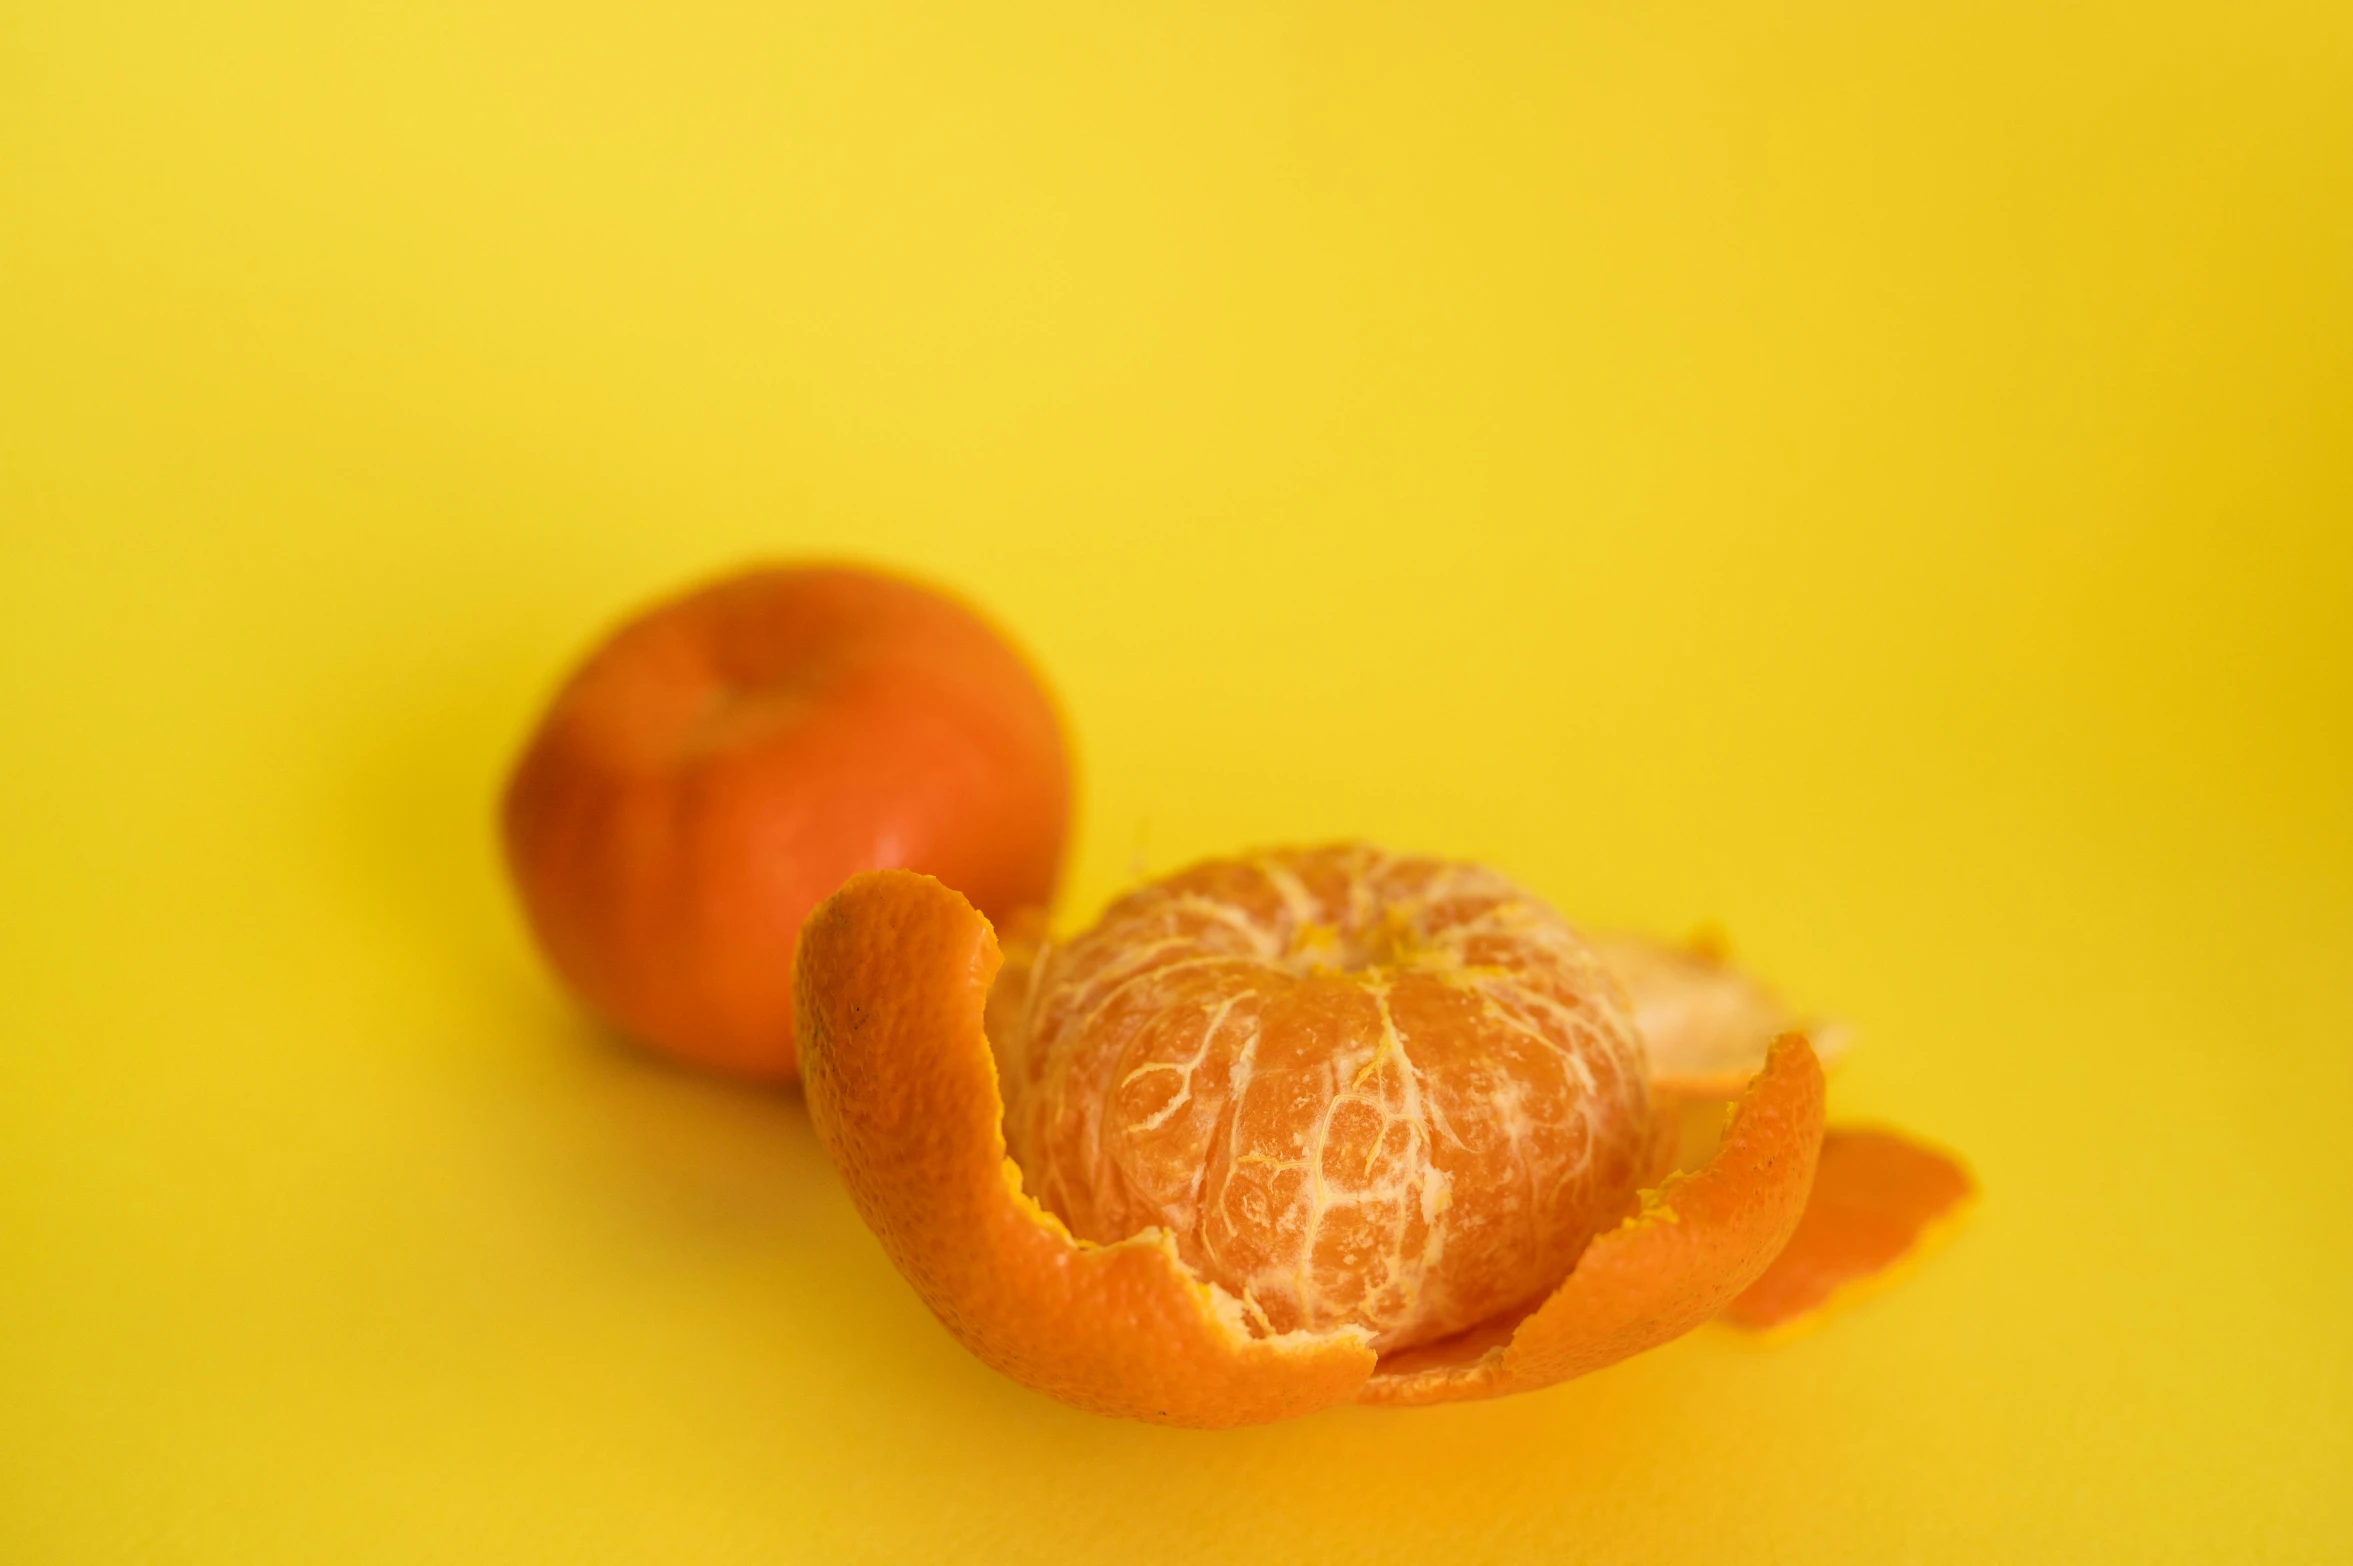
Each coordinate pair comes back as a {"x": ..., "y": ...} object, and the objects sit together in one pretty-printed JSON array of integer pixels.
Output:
[{"x": 1878, "y": 475}]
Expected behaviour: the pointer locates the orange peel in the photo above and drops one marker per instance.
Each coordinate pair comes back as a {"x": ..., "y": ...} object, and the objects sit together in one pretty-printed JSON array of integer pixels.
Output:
[
  {"x": 1698, "y": 1242},
  {"x": 1880, "y": 1197},
  {"x": 1704, "y": 1022},
  {"x": 894, "y": 974},
  {"x": 894, "y": 986}
]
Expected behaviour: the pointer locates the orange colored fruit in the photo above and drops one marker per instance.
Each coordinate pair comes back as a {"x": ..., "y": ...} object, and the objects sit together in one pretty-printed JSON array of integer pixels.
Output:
[
  {"x": 726, "y": 759},
  {"x": 1395, "y": 1094},
  {"x": 1442, "y": 1084}
]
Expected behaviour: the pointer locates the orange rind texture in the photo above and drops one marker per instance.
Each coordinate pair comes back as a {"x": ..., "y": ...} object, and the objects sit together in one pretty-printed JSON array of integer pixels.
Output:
[
  {"x": 1698, "y": 1242},
  {"x": 894, "y": 982},
  {"x": 1878, "y": 1198},
  {"x": 894, "y": 972}
]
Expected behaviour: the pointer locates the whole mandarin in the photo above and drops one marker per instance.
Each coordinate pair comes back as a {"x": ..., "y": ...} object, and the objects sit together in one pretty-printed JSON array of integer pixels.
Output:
[{"x": 726, "y": 759}]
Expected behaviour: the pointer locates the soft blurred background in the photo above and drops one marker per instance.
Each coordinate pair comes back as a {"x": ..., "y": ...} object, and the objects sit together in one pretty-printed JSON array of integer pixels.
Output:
[{"x": 1875, "y": 476}]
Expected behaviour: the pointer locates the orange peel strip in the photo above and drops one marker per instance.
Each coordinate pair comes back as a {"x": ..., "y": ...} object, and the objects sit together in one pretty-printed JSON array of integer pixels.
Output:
[
  {"x": 894, "y": 971},
  {"x": 1699, "y": 1241},
  {"x": 1877, "y": 1196}
]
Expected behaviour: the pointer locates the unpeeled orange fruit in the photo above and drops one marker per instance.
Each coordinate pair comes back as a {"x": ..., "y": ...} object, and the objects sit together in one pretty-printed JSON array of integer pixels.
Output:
[{"x": 726, "y": 759}]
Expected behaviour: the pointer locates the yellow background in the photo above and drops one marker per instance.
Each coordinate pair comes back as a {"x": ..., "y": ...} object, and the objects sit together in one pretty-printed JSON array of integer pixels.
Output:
[{"x": 1873, "y": 474}]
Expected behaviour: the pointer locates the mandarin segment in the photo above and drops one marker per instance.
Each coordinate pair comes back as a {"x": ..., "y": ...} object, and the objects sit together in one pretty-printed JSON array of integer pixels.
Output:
[
  {"x": 893, "y": 974},
  {"x": 1395, "y": 1094}
]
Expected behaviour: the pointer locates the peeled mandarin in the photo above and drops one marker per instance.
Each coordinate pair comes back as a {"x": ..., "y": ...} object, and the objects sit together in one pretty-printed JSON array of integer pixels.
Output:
[
  {"x": 1317, "y": 1126},
  {"x": 1397, "y": 1094},
  {"x": 909, "y": 1026}
]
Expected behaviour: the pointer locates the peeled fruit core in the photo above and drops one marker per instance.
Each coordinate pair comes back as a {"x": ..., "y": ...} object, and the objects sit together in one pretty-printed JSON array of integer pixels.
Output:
[{"x": 1355, "y": 1090}]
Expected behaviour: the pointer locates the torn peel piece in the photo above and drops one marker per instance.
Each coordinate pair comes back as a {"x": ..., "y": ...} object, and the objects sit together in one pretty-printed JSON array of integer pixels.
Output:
[
  {"x": 1704, "y": 1022},
  {"x": 1700, "y": 1240},
  {"x": 1879, "y": 1197},
  {"x": 893, "y": 973}
]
